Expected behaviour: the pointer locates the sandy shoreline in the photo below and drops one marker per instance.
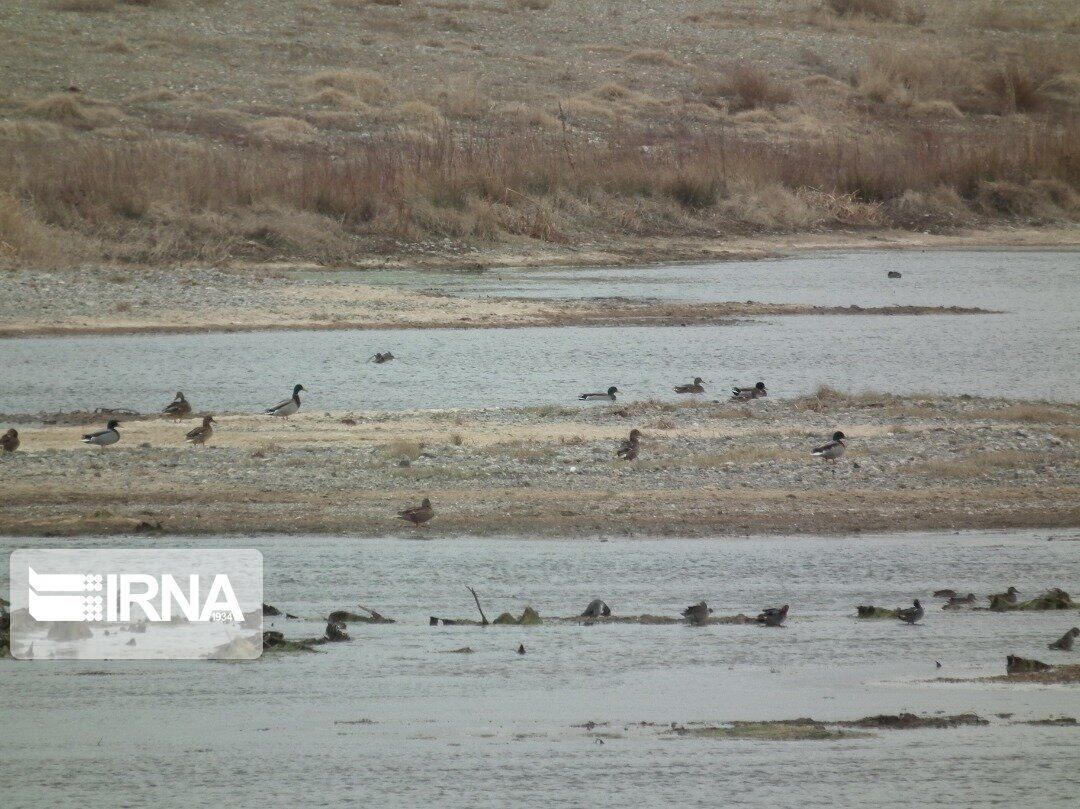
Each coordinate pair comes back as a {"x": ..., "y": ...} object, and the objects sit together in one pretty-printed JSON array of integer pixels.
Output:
[{"x": 706, "y": 469}]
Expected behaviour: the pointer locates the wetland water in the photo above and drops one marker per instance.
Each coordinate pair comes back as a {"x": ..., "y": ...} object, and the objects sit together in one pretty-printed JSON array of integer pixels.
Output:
[
  {"x": 392, "y": 719},
  {"x": 1029, "y": 351}
]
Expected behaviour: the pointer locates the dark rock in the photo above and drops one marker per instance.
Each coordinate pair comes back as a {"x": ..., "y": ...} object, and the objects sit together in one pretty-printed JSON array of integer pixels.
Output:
[{"x": 270, "y": 610}]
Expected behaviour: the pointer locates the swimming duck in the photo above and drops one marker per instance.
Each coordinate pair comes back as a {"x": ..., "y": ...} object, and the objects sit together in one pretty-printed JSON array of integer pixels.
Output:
[
  {"x": 596, "y": 609},
  {"x": 609, "y": 396},
  {"x": 946, "y": 593},
  {"x": 178, "y": 408},
  {"x": 698, "y": 613},
  {"x": 418, "y": 515},
  {"x": 103, "y": 438},
  {"x": 628, "y": 449},
  {"x": 756, "y": 392},
  {"x": 1009, "y": 595},
  {"x": 832, "y": 450},
  {"x": 200, "y": 435},
  {"x": 1065, "y": 642},
  {"x": 912, "y": 614},
  {"x": 287, "y": 407},
  {"x": 693, "y": 387},
  {"x": 968, "y": 599},
  {"x": 773, "y": 616},
  {"x": 9, "y": 441},
  {"x": 379, "y": 358}
]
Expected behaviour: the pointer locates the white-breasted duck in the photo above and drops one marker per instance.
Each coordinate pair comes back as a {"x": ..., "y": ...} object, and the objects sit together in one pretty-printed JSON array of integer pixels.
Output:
[
  {"x": 103, "y": 438},
  {"x": 607, "y": 397},
  {"x": 178, "y": 408},
  {"x": 694, "y": 387},
  {"x": 201, "y": 434},
  {"x": 833, "y": 450},
  {"x": 289, "y": 406},
  {"x": 756, "y": 392}
]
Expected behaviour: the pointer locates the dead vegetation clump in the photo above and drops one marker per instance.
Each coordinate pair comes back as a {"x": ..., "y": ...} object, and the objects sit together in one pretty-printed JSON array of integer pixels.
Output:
[
  {"x": 746, "y": 87},
  {"x": 361, "y": 85},
  {"x": 74, "y": 110},
  {"x": 909, "y": 13}
]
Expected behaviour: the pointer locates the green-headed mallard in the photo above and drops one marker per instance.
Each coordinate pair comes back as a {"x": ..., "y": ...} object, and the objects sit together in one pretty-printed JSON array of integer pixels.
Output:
[
  {"x": 628, "y": 449},
  {"x": 418, "y": 515},
  {"x": 693, "y": 387},
  {"x": 832, "y": 450},
  {"x": 756, "y": 392},
  {"x": 609, "y": 396},
  {"x": 178, "y": 408},
  {"x": 103, "y": 438},
  {"x": 200, "y": 435},
  {"x": 287, "y": 407},
  {"x": 9, "y": 441}
]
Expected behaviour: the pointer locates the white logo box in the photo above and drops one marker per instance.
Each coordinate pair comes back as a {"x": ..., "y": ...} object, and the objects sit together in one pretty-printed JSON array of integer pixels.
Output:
[{"x": 136, "y": 604}]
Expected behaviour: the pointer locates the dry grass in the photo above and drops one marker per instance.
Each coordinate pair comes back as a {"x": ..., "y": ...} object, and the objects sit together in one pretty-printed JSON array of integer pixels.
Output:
[
  {"x": 361, "y": 85},
  {"x": 982, "y": 463},
  {"x": 527, "y": 115},
  {"x": 398, "y": 450},
  {"x": 887, "y": 10},
  {"x": 747, "y": 87},
  {"x": 84, "y": 6},
  {"x": 75, "y": 110},
  {"x": 652, "y": 56},
  {"x": 1029, "y": 413},
  {"x": 283, "y": 129}
]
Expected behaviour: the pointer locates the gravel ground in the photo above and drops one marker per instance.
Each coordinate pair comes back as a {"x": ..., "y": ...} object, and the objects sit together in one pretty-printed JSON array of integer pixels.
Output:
[{"x": 705, "y": 469}]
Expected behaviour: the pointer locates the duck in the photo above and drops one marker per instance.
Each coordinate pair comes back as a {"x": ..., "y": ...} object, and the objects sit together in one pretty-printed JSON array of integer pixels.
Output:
[
  {"x": 833, "y": 450},
  {"x": 200, "y": 435},
  {"x": 9, "y": 441},
  {"x": 693, "y": 387},
  {"x": 698, "y": 613},
  {"x": 946, "y": 593},
  {"x": 597, "y": 609},
  {"x": 628, "y": 449},
  {"x": 968, "y": 599},
  {"x": 1009, "y": 595},
  {"x": 756, "y": 392},
  {"x": 894, "y": 274},
  {"x": 178, "y": 408},
  {"x": 773, "y": 616},
  {"x": 418, "y": 515},
  {"x": 289, "y": 406},
  {"x": 379, "y": 357},
  {"x": 103, "y": 438},
  {"x": 912, "y": 614},
  {"x": 1065, "y": 642},
  {"x": 609, "y": 396}
]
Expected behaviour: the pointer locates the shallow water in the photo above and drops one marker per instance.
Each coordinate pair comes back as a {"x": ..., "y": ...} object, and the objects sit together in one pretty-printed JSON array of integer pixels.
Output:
[
  {"x": 1028, "y": 352},
  {"x": 494, "y": 729}
]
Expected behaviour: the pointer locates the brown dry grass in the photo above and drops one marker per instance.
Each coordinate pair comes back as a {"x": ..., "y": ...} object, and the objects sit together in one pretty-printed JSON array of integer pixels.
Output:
[{"x": 978, "y": 464}]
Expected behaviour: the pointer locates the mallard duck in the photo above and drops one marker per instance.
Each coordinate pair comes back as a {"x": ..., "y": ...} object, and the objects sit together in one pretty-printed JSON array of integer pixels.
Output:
[
  {"x": 697, "y": 613},
  {"x": 912, "y": 614},
  {"x": 756, "y": 392},
  {"x": 832, "y": 450},
  {"x": 773, "y": 616},
  {"x": 178, "y": 408},
  {"x": 596, "y": 609},
  {"x": 1009, "y": 595},
  {"x": 968, "y": 599},
  {"x": 9, "y": 441},
  {"x": 693, "y": 387},
  {"x": 379, "y": 358},
  {"x": 609, "y": 396},
  {"x": 946, "y": 593},
  {"x": 103, "y": 438},
  {"x": 200, "y": 435},
  {"x": 287, "y": 407},
  {"x": 628, "y": 449},
  {"x": 1065, "y": 642},
  {"x": 418, "y": 515}
]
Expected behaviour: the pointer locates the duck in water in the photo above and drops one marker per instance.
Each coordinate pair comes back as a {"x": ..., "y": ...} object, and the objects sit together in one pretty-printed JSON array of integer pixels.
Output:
[
  {"x": 1009, "y": 595},
  {"x": 693, "y": 387},
  {"x": 756, "y": 392},
  {"x": 697, "y": 614},
  {"x": 1065, "y": 642},
  {"x": 911, "y": 615},
  {"x": 597, "y": 609},
  {"x": 379, "y": 358},
  {"x": 773, "y": 616},
  {"x": 595, "y": 397}
]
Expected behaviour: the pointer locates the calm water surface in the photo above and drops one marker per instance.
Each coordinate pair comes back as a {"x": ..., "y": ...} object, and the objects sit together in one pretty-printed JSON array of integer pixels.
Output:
[
  {"x": 495, "y": 729},
  {"x": 1029, "y": 351}
]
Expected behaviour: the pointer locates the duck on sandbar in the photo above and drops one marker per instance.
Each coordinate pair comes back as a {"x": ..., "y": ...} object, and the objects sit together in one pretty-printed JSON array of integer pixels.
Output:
[
  {"x": 833, "y": 450},
  {"x": 418, "y": 515},
  {"x": 103, "y": 438},
  {"x": 178, "y": 408},
  {"x": 201, "y": 434}
]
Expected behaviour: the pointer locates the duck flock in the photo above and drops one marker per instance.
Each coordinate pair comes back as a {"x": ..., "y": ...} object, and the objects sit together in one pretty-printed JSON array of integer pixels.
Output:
[{"x": 628, "y": 450}]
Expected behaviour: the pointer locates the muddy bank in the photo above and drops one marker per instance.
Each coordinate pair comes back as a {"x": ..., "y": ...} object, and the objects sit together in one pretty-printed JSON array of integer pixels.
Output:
[{"x": 704, "y": 469}]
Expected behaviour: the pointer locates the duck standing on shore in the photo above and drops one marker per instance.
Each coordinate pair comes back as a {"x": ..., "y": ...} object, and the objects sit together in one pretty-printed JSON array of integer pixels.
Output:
[
  {"x": 200, "y": 435},
  {"x": 756, "y": 392},
  {"x": 628, "y": 449},
  {"x": 693, "y": 387},
  {"x": 594, "y": 397},
  {"x": 287, "y": 407},
  {"x": 9, "y": 441},
  {"x": 179, "y": 408},
  {"x": 833, "y": 450},
  {"x": 103, "y": 438},
  {"x": 911, "y": 615},
  {"x": 418, "y": 515}
]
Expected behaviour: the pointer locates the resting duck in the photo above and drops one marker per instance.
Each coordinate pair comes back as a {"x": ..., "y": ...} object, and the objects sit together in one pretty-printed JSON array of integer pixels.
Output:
[
  {"x": 693, "y": 387},
  {"x": 596, "y": 609},
  {"x": 968, "y": 599},
  {"x": 103, "y": 438},
  {"x": 1009, "y": 595},
  {"x": 756, "y": 392},
  {"x": 628, "y": 449},
  {"x": 832, "y": 450},
  {"x": 200, "y": 435},
  {"x": 178, "y": 408},
  {"x": 379, "y": 358},
  {"x": 912, "y": 614},
  {"x": 418, "y": 515},
  {"x": 773, "y": 616},
  {"x": 9, "y": 441},
  {"x": 946, "y": 593},
  {"x": 1065, "y": 642},
  {"x": 287, "y": 407},
  {"x": 697, "y": 613},
  {"x": 609, "y": 396}
]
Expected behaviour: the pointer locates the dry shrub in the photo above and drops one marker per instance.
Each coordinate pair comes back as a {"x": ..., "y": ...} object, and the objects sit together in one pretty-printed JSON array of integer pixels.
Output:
[
  {"x": 527, "y": 115},
  {"x": 587, "y": 108},
  {"x": 999, "y": 16},
  {"x": 75, "y": 110},
  {"x": 889, "y": 10},
  {"x": 772, "y": 207},
  {"x": 935, "y": 108},
  {"x": 396, "y": 450},
  {"x": 1017, "y": 86},
  {"x": 648, "y": 56},
  {"x": 30, "y": 130},
  {"x": 116, "y": 46},
  {"x": 462, "y": 101},
  {"x": 330, "y": 97},
  {"x": 981, "y": 463},
  {"x": 153, "y": 95},
  {"x": 752, "y": 88},
  {"x": 362, "y": 84},
  {"x": 417, "y": 112},
  {"x": 612, "y": 91},
  {"x": 1029, "y": 413},
  {"x": 283, "y": 129}
]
